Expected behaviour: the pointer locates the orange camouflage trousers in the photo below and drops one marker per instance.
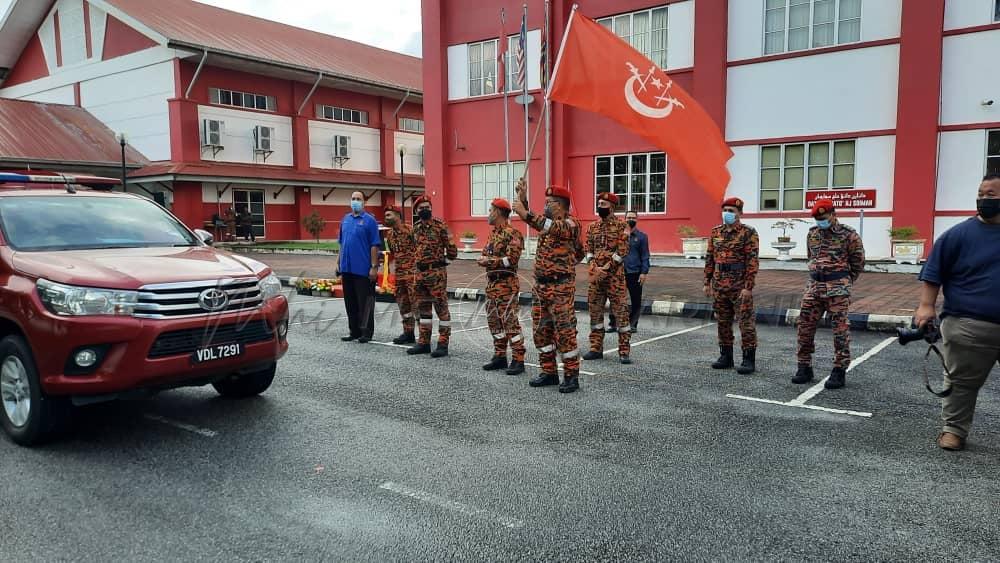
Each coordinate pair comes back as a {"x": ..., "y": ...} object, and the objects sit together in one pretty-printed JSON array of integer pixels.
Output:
[
  {"x": 431, "y": 290},
  {"x": 729, "y": 307},
  {"x": 554, "y": 322},
  {"x": 610, "y": 288},
  {"x": 502, "y": 310},
  {"x": 405, "y": 299}
]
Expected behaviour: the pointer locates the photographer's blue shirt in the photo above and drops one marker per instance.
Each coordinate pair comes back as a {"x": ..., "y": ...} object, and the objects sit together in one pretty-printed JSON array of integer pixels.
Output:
[{"x": 965, "y": 262}]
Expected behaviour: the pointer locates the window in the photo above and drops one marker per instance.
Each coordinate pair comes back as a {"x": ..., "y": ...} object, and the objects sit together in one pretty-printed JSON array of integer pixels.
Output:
[
  {"x": 786, "y": 171},
  {"x": 993, "y": 152},
  {"x": 794, "y": 25},
  {"x": 645, "y": 30},
  {"x": 490, "y": 181},
  {"x": 252, "y": 201},
  {"x": 510, "y": 63},
  {"x": 222, "y": 97},
  {"x": 411, "y": 125},
  {"x": 483, "y": 68},
  {"x": 639, "y": 181},
  {"x": 996, "y": 11},
  {"x": 342, "y": 114}
]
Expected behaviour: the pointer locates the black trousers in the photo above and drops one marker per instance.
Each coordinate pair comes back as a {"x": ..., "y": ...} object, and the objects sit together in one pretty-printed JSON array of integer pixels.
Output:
[
  {"x": 635, "y": 296},
  {"x": 359, "y": 300}
]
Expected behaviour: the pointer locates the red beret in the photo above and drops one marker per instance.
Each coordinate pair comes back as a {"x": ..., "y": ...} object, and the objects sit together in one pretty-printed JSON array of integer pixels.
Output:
[
  {"x": 394, "y": 208},
  {"x": 501, "y": 203},
  {"x": 421, "y": 199},
  {"x": 610, "y": 197},
  {"x": 556, "y": 191},
  {"x": 733, "y": 202},
  {"x": 822, "y": 206}
]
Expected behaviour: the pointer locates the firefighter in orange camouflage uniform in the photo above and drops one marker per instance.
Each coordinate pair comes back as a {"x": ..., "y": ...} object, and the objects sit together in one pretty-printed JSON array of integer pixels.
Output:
[
  {"x": 607, "y": 247},
  {"x": 552, "y": 316},
  {"x": 731, "y": 266},
  {"x": 402, "y": 249},
  {"x": 500, "y": 257},
  {"x": 434, "y": 249}
]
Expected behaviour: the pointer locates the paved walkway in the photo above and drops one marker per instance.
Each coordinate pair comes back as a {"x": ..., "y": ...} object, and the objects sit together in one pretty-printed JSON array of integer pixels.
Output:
[{"x": 875, "y": 293}]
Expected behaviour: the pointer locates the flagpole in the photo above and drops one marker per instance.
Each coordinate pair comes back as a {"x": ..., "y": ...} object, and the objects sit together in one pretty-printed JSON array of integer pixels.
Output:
[
  {"x": 547, "y": 40},
  {"x": 506, "y": 118},
  {"x": 524, "y": 93},
  {"x": 555, "y": 67}
]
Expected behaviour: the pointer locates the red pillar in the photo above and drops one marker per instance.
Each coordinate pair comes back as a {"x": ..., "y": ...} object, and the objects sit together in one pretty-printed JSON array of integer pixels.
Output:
[
  {"x": 301, "y": 156},
  {"x": 436, "y": 153},
  {"x": 187, "y": 204},
  {"x": 185, "y": 131},
  {"x": 917, "y": 115},
  {"x": 304, "y": 207}
]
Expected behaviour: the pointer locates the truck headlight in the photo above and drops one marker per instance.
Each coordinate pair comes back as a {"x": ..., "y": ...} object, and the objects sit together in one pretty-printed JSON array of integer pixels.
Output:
[
  {"x": 270, "y": 287},
  {"x": 80, "y": 301}
]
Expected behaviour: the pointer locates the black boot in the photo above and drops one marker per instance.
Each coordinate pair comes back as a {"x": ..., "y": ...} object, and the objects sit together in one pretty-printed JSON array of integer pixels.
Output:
[
  {"x": 419, "y": 349},
  {"x": 837, "y": 379},
  {"x": 405, "y": 338},
  {"x": 749, "y": 364},
  {"x": 593, "y": 355},
  {"x": 516, "y": 368},
  {"x": 625, "y": 359},
  {"x": 804, "y": 375},
  {"x": 570, "y": 384},
  {"x": 544, "y": 380},
  {"x": 498, "y": 362},
  {"x": 725, "y": 360},
  {"x": 440, "y": 352}
]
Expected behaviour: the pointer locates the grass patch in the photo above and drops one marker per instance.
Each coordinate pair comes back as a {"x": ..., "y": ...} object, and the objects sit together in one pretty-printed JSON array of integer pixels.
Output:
[{"x": 304, "y": 245}]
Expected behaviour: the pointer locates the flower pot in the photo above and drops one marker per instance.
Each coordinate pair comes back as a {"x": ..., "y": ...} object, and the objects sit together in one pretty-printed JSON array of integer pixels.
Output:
[
  {"x": 315, "y": 293},
  {"x": 303, "y": 291},
  {"x": 695, "y": 247},
  {"x": 783, "y": 247},
  {"x": 908, "y": 251},
  {"x": 784, "y": 240},
  {"x": 325, "y": 294},
  {"x": 467, "y": 242}
]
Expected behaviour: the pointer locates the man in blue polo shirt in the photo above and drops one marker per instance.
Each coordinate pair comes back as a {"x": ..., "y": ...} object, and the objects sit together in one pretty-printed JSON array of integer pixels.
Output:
[
  {"x": 965, "y": 262},
  {"x": 358, "y": 268}
]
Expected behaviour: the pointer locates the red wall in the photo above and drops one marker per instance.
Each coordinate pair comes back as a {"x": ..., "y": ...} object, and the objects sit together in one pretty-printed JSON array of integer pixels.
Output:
[
  {"x": 31, "y": 64},
  {"x": 120, "y": 39}
]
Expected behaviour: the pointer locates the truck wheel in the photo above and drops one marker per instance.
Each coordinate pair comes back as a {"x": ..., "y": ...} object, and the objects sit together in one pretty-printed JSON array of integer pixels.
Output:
[
  {"x": 27, "y": 415},
  {"x": 246, "y": 385}
]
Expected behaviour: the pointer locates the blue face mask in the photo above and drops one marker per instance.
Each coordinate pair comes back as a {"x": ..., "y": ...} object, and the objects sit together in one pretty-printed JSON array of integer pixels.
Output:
[
  {"x": 728, "y": 217},
  {"x": 823, "y": 224},
  {"x": 357, "y": 206}
]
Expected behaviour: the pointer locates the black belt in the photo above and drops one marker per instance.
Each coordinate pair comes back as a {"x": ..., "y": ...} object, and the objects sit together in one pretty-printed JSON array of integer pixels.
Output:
[
  {"x": 831, "y": 276},
  {"x": 732, "y": 267},
  {"x": 431, "y": 266},
  {"x": 499, "y": 273},
  {"x": 552, "y": 279}
]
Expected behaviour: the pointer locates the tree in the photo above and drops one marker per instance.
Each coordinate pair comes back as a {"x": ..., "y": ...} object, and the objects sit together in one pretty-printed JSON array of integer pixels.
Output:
[{"x": 314, "y": 224}]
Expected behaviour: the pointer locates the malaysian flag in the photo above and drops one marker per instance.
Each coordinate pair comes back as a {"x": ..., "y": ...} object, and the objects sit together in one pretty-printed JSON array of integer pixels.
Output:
[{"x": 522, "y": 44}]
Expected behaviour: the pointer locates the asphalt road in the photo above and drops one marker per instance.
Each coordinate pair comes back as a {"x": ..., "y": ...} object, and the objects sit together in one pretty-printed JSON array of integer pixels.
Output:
[{"x": 359, "y": 452}]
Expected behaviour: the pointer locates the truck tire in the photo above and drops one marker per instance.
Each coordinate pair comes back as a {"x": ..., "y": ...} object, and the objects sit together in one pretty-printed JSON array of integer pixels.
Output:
[
  {"x": 246, "y": 385},
  {"x": 27, "y": 415}
]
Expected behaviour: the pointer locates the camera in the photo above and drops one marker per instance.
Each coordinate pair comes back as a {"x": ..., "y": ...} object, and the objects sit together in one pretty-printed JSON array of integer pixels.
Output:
[{"x": 928, "y": 333}]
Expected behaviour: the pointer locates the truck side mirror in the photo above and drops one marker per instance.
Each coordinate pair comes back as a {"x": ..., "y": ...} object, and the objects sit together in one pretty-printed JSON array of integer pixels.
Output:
[{"x": 205, "y": 236}]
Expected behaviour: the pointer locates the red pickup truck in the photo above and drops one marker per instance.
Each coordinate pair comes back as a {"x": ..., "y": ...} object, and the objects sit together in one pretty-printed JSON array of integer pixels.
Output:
[{"x": 106, "y": 295}]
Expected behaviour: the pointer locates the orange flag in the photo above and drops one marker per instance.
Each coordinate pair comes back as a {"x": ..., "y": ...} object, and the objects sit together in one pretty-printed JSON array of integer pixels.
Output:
[{"x": 599, "y": 72}]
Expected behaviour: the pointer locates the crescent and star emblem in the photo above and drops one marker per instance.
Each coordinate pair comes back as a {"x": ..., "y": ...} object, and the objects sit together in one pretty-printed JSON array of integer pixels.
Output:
[{"x": 639, "y": 83}]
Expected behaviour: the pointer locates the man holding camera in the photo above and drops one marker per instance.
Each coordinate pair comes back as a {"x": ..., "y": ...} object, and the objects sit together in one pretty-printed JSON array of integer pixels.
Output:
[{"x": 965, "y": 262}]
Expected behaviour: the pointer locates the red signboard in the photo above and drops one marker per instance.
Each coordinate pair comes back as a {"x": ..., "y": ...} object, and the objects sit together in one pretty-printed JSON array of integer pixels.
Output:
[{"x": 843, "y": 199}]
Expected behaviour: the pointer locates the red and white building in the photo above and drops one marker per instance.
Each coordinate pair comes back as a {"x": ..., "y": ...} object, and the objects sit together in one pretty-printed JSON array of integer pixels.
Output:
[
  {"x": 901, "y": 97},
  {"x": 228, "y": 109}
]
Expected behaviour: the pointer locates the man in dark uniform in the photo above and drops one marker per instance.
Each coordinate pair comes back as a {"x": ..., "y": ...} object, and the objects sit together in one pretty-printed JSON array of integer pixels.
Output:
[
  {"x": 607, "y": 247},
  {"x": 500, "y": 257},
  {"x": 402, "y": 251},
  {"x": 552, "y": 316},
  {"x": 836, "y": 260},
  {"x": 434, "y": 249},
  {"x": 731, "y": 266}
]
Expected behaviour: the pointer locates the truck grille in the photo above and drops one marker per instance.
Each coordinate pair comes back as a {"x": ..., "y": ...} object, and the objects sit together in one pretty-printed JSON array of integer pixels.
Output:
[
  {"x": 180, "y": 342},
  {"x": 185, "y": 299}
]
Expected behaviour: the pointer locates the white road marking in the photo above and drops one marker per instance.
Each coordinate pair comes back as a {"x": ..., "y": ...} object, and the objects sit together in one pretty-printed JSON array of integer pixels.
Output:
[
  {"x": 183, "y": 426},
  {"x": 815, "y": 389},
  {"x": 451, "y": 505},
  {"x": 809, "y": 407},
  {"x": 320, "y": 300},
  {"x": 661, "y": 337}
]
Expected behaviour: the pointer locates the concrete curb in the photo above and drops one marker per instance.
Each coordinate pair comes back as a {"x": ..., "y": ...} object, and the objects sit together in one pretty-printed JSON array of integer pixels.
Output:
[{"x": 693, "y": 310}]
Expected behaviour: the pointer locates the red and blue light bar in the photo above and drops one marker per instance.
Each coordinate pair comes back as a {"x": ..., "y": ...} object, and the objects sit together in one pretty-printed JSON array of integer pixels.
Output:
[{"x": 98, "y": 181}]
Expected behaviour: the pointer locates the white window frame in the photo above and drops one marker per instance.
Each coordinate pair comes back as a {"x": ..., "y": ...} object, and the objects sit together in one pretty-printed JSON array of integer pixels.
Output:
[
  {"x": 483, "y": 62},
  {"x": 347, "y": 115},
  {"x": 994, "y": 157},
  {"x": 806, "y": 167},
  {"x": 411, "y": 125},
  {"x": 648, "y": 174},
  {"x": 215, "y": 97},
  {"x": 612, "y": 23},
  {"x": 836, "y": 22},
  {"x": 501, "y": 190}
]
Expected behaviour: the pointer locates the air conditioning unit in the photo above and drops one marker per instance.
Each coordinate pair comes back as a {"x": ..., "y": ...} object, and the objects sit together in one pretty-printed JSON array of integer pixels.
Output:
[
  {"x": 212, "y": 131},
  {"x": 341, "y": 149},
  {"x": 262, "y": 138}
]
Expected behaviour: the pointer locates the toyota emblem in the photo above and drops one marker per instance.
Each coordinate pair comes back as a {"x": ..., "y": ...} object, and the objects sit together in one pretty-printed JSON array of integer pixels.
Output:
[{"x": 213, "y": 299}]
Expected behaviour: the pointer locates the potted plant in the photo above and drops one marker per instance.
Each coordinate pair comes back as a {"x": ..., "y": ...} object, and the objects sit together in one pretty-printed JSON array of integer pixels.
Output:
[
  {"x": 314, "y": 225},
  {"x": 303, "y": 286},
  {"x": 694, "y": 246},
  {"x": 784, "y": 243},
  {"x": 906, "y": 247},
  {"x": 468, "y": 239}
]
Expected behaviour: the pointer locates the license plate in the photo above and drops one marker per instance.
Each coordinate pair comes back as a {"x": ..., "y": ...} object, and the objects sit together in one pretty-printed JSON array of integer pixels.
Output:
[{"x": 217, "y": 352}]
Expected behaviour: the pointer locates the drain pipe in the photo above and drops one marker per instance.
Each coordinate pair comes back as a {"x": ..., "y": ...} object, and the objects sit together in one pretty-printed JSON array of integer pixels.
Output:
[{"x": 197, "y": 72}]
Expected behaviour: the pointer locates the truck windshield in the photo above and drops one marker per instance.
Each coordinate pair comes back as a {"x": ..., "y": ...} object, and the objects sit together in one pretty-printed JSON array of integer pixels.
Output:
[{"x": 79, "y": 222}]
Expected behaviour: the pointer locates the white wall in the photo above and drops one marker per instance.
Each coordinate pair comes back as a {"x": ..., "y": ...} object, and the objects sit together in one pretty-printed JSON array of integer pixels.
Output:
[
  {"x": 969, "y": 76},
  {"x": 98, "y": 23},
  {"x": 880, "y": 19},
  {"x": 414, "y": 152},
  {"x": 72, "y": 32},
  {"x": 209, "y": 193},
  {"x": 967, "y": 13},
  {"x": 838, "y": 92},
  {"x": 744, "y": 169},
  {"x": 365, "y": 146},
  {"x": 680, "y": 35},
  {"x": 962, "y": 163},
  {"x": 458, "y": 66},
  {"x": 942, "y": 224},
  {"x": 875, "y": 237},
  {"x": 61, "y": 95},
  {"x": 238, "y": 137},
  {"x": 135, "y": 102},
  {"x": 340, "y": 196},
  {"x": 47, "y": 36}
]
